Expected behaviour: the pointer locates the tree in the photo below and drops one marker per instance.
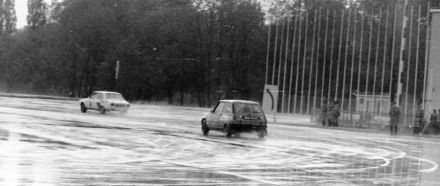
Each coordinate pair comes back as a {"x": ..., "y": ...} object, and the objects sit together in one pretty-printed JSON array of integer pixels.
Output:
[
  {"x": 8, "y": 18},
  {"x": 37, "y": 13}
]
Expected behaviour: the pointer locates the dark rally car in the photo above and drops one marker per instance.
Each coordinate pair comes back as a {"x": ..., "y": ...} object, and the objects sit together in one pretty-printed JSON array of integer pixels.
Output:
[{"x": 231, "y": 116}]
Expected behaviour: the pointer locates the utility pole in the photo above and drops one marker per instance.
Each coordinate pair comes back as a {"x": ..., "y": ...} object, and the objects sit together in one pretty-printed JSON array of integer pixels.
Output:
[
  {"x": 117, "y": 70},
  {"x": 116, "y": 73},
  {"x": 402, "y": 48}
]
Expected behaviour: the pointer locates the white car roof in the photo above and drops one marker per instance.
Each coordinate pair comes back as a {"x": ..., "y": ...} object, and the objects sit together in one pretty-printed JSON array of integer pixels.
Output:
[
  {"x": 105, "y": 92},
  {"x": 239, "y": 101}
]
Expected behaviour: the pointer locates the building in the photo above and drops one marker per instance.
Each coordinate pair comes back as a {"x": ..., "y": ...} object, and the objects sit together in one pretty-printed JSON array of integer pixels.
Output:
[
  {"x": 373, "y": 103},
  {"x": 433, "y": 85}
]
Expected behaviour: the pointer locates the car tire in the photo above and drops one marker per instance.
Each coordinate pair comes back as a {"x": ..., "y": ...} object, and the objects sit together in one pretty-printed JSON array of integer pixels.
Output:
[
  {"x": 261, "y": 133},
  {"x": 83, "y": 108},
  {"x": 205, "y": 128},
  {"x": 227, "y": 130},
  {"x": 102, "y": 110}
]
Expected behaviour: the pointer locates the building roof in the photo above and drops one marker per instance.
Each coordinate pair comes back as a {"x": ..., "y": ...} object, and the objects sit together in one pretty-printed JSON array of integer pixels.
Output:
[
  {"x": 239, "y": 101},
  {"x": 435, "y": 9},
  {"x": 105, "y": 92},
  {"x": 372, "y": 95}
]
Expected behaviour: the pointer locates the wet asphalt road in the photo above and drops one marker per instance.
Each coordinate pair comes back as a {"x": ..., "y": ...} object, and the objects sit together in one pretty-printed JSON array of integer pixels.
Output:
[{"x": 50, "y": 142}]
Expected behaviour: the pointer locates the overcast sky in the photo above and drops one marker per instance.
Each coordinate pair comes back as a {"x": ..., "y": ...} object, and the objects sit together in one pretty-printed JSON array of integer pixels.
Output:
[{"x": 21, "y": 12}]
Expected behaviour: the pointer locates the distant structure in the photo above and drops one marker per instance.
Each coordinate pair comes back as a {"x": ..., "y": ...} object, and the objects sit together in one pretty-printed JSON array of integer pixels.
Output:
[
  {"x": 373, "y": 103},
  {"x": 433, "y": 88}
]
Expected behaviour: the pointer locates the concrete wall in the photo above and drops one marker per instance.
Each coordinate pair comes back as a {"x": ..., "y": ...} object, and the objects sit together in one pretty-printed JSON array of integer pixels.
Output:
[
  {"x": 373, "y": 104},
  {"x": 433, "y": 88}
]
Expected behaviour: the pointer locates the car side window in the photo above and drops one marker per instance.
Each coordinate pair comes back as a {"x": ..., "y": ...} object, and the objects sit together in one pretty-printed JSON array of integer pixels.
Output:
[
  {"x": 219, "y": 108},
  {"x": 93, "y": 96},
  {"x": 99, "y": 96},
  {"x": 227, "y": 108},
  {"x": 247, "y": 108},
  {"x": 215, "y": 107}
]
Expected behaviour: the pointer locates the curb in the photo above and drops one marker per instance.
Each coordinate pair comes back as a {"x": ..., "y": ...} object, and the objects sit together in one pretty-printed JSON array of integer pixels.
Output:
[
  {"x": 404, "y": 131},
  {"x": 13, "y": 95}
]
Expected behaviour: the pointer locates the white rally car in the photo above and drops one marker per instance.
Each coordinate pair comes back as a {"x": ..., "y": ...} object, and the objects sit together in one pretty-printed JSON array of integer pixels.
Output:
[{"x": 104, "y": 101}]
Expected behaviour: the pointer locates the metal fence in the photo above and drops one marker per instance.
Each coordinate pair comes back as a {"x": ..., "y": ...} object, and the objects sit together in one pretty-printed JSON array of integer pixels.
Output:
[{"x": 354, "y": 56}]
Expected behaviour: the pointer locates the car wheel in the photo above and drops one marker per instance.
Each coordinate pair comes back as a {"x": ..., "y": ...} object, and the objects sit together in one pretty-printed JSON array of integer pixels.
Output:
[
  {"x": 205, "y": 128},
  {"x": 227, "y": 130},
  {"x": 83, "y": 108},
  {"x": 102, "y": 110},
  {"x": 261, "y": 133}
]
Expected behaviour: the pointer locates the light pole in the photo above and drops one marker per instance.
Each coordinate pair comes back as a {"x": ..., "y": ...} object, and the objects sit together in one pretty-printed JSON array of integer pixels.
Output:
[
  {"x": 116, "y": 73},
  {"x": 402, "y": 48}
]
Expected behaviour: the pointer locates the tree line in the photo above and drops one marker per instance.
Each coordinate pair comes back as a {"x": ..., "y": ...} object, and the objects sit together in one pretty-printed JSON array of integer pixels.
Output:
[{"x": 180, "y": 51}]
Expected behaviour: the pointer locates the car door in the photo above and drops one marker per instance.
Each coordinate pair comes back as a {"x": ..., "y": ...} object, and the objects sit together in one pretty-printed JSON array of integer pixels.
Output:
[
  {"x": 98, "y": 100},
  {"x": 226, "y": 114},
  {"x": 91, "y": 100},
  {"x": 213, "y": 119}
]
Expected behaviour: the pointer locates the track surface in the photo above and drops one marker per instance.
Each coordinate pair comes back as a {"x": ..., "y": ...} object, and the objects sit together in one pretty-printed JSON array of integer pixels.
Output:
[{"x": 49, "y": 142}]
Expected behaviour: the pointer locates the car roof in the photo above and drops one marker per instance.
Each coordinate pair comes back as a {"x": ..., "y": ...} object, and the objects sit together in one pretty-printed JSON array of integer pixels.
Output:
[
  {"x": 106, "y": 92},
  {"x": 239, "y": 101}
]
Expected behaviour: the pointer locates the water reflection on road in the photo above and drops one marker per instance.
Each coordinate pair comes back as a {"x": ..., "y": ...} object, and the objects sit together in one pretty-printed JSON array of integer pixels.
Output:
[{"x": 47, "y": 142}]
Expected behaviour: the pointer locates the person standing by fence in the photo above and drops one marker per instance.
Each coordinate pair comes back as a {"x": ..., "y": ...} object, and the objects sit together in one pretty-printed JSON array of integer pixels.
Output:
[
  {"x": 433, "y": 117},
  {"x": 324, "y": 113},
  {"x": 435, "y": 122},
  {"x": 394, "y": 119},
  {"x": 334, "y": 114},
  {"x": 329, "y": 114},
  {"x": 419, "y": 120},
  {"x": 432, "y": 122}
]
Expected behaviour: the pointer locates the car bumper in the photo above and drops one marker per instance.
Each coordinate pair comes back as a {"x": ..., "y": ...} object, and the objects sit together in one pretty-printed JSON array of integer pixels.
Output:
[
  {"x": 249, "y": 126},
  {"x": 118, "y": 108}
]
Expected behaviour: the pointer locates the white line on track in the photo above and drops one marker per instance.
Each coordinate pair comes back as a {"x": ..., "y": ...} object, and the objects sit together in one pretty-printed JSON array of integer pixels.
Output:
[{"x": 432, "y": 169}]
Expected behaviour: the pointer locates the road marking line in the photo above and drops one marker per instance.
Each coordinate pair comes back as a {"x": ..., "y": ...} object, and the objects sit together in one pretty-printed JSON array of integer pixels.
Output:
[{"x": 432, "y": 169}]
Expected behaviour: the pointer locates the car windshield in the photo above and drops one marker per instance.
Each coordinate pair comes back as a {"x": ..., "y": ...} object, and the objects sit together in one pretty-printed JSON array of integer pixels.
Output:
[
  {"x": 247, "y": 108},
  {"x": 114, "y": 96}
]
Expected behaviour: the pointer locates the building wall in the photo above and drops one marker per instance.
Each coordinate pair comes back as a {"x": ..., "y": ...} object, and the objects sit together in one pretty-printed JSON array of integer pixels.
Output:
[
  {"x": 433, "y": 88},
  {"x": 372, "y": 104}
]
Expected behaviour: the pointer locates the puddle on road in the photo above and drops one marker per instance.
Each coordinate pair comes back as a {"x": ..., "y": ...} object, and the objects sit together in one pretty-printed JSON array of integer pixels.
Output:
[
  {"x": 176, "y": 153},
  {"x": 296, "y": 162},
  {"x": 51, "y": 144},
  {"x": 4, "y": 135},
  {"x": 72, "y": 123}
]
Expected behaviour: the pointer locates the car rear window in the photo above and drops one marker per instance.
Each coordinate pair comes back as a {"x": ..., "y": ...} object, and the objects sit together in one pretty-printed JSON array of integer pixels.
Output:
[
  {"x": 247, "y": 108},
  {"x": 114, "y": 96}
]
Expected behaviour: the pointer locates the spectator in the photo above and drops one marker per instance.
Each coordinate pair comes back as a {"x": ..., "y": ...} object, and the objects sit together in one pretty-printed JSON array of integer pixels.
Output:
[
  {"x": 334, "y": 114},
  {"x": 324, "y": 113},
  {"x": 433, "y": 117},
  {"x": 394, "y": 119},
  {"x": 329, "y": 114},
  {"x": 437, "y": 117},
  {"x": 433, "y": 120},
  {"x": 436, "y": 121},
  {"x": 419, "y": 121}
]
